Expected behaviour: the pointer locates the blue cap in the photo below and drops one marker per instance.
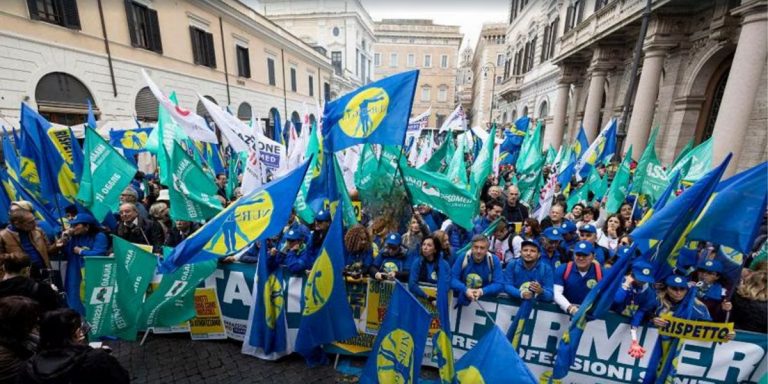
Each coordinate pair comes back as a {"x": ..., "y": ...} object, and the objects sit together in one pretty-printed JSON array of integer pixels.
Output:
[
  {"x": 83, "y": 218},
  {"x": 711, "y": 266},
  {"x": 393, "y": 239},
  {"x": 583, "y": 248},
  {"x": 323, "y": 215},
  {"x": 293, "y": 234},
  {"x": 643, "y": 272},
  {"x": 553, "y": 234},
  {"x": 530, "y": 242},
  {"x": 568, "y": 226},
  {"x": 677, "y": 281},
  {"x": 588, "y": 228}
]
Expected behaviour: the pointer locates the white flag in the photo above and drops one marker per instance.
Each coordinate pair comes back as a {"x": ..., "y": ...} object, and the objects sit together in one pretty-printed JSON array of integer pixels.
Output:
[{"x": 456, "y": 121}]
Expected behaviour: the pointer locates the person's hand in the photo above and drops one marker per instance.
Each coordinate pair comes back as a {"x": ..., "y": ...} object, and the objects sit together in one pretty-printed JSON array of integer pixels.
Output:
[
  {"x": 77, "y": 250},
  {"x": 636, "y": 350},
  {"x": 526, "y": 294},
  {"x": 60, "y": 242},
  {"x": 628, "y": 280},
  {"x": 659, "y": 322},
  {"x": 470, "y": 294},
  {"x": 727, "y": 306},
  {"x": 731, "y": 336},
  {"x": 273, "y": 251},
  {"x": 377, "y": 276},
  {"x": 572, "y": 309},
  {"x": 536, "y": 287},
  {"x": 228, "y": 260},
  {"x": 478, "y": 293},
  {"x": 296, "y": 247},
  {"x": 391, "y": 275}
]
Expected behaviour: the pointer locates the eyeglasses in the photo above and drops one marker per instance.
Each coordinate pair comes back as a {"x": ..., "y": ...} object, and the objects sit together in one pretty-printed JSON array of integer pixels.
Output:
[{"x": 85, "y": 327}]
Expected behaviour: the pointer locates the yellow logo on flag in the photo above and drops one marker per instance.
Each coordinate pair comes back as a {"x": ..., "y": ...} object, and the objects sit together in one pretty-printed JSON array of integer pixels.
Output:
[
  {"x": 470, "y": 375},
  {"x": 474, "y": 281},
  {"x": 273, "y": 300},
  {"x": 394, "y": 359},
  {"x": 244, "y": 224},
  {"x": 133, "y": 139},
  {"x": 364, "y": 112},
  {"x": 29, "y": 171},
  {"x": 319, "y": 284}
]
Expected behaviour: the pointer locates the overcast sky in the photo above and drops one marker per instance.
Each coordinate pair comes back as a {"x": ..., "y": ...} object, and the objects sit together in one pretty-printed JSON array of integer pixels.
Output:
[{"x": 469, "y": 14}]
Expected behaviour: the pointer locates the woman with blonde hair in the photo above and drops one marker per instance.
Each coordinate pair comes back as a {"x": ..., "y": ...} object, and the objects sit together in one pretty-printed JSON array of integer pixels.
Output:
[
  {"x": 445, "y": 245},
  {"x": 750, "y": 303}
]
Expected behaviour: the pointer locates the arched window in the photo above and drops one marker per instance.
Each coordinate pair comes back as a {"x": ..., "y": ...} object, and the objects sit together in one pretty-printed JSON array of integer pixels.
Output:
[
  {"x": 543, "y": 110},
  {"x": 244, "y": 112},
  {"x": 61, "y": 98},
  {"x": 713, "y": 100},
  {"x": 525, "y": 111},
  {"x": 296, "y": 121},
  {"x": 274, "y": 119},
  {"x": 146, "y": 105},
  {"x": 312, "y": 118}
]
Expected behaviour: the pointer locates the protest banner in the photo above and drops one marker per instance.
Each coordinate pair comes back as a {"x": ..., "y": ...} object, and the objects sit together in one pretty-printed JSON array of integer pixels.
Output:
[
  {"x": 207, "y": 323},
  {"x": 695, "y": 330}
]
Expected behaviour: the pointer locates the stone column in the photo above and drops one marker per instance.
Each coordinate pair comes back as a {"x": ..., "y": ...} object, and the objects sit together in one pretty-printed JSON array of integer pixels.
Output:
[
  {"x": 644, "y": 106},
  {"x": 743, "y": 84},
  {"x": 573, "y": 117},
  {"x": 594, "y": 99},
  {"x": 554, "y": 134}
]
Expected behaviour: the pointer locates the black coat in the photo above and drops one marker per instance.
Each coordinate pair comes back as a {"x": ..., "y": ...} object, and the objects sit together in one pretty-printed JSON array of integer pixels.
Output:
[
  {"x": 147, "y": 232},
  {"x": 73, "y": 364},
  {"x": 749, "y": 315},
  {"x": 38, "y": 291}
]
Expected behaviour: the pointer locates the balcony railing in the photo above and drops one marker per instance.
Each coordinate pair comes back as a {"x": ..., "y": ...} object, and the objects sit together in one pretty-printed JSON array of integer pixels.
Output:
[{"x": 510, "y": 87}]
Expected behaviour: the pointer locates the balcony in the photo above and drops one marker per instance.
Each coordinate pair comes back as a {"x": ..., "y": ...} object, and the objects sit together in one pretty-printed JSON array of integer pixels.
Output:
[
  {"x": 607, "y": 20},
  {"x": 510, "y": 87}
]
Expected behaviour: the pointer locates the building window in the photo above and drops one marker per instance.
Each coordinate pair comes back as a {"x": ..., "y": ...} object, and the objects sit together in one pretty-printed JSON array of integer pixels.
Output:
[
  {"x": 574, "y": 14},
  {"x": 271, "y": 71},
  {"x": 553, "y": 36},
  {"x": 59, "y": 12},
  {"x": 146, "y": 105},
  {"x": 532, "y": 56},
  {"x": 243, "y": 62},
  {"x": 444, "y": 61},
  {"x": 293, "y": 80},
  {"x": 442, "y": 93},
  {"x": 61, "y": 98},
  {"x": 336, "y": 61},
  {"x": 336, "y": 31},
  {"x": 393, "y": 59},
  {"x": 377, "y": 59},
  {"x": 427, "y": 61},
  {"x": 426, "y": 94},
  {"x": 202, "y": 47},
  {"x": 499, "y": 60},
  {"x": 143, "y": 27},
  {"x": 327, "y": 91},
  {"x": 513, "y": 11},
  {"x": 311, "y": 82},
  {"x": 357, "y": 62},
  {"x": 244, "y": 112},
  {"x": 545, "y": 45},
  {"x": 411, "y": 60}
]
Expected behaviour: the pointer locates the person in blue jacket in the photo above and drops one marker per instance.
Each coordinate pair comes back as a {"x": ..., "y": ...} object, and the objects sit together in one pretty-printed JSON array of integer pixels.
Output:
[
  {"x": 636, "y": 298},
  {"x": 570, "y": 235},
  {"x": 528, "y": 277},
  {"x": 392, "y": 262},
  {"x": 709, "y": 288},
  {"x": 458, "y": 237},
  {"x": 588, "y": 232},
  {"x": 551, "y": 251},
  {"x": 671, "y": 297},
  {"x": 294, "y": 253},
  {"x": 429, "y": 268},
  {"x": 493, "y": 210},
  {"x": 317, "y": 237},
  {"x": 83, "y": 238},
  {"x": 477, "y": 273},
  {"x": 574, "y": 279}
]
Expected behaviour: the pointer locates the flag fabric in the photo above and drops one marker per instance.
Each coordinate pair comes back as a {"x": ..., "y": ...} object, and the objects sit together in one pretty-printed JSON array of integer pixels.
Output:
[
  {"x": 482, "y": 363},
  {"x": 609, "y": 147},
  {"x": 672, "y": 224},
  {"x": 342, "y": 199},
  {"x": 100, "y": 274},
  {"x": 12, "y": 162},
  {"x": 682, "y": 155},
  {"x": 301, "y": 205},
  {"x": 5, "y": 198},
  {"x": 375, "y": 113},
  {"x": 456, "y": 121},
  {"x": 650, "y": 178},
  {"x": 590, "y": 156},
  {"x": 662, "y": 366},
  {"x": 326, "y": 315},
  {"x": 105, "y": 175},
  {"x": 515, "y": 331},
  {"x": 91, "y": 119},
  {"x": 442, "y": 349},
  {"x": 192, "y": 192},
  {"x": 457, "y": 169},
  {"x": 529, "y": 168},
  {"x": 16, "y": 192},
  {"x": 483, "y": 164},
  {"x": 438, "y": 161},
  {"x": 416, "y": 124},
  {"x": 256, "y": 216},
  {"x": 551, "y": 156},
  {"x": 582, "y": 143},
  {"x": 193, "y": 124},
  {"x": 733, "y": 215},
  {"x": 700, "y": 162},
  {"x": 620, "y": 185},
  {"x": 442, "y": 194},
  {"x": 399, "y": 346},
  {"x": 266, "y": 337},
  {"x": 509, "y": 149},
  {"x": 135, "y": 267},
  {"x": 173, "y": 302},
  {"x": 664, "y": 198},
  {"x": 131, "y": 141}
]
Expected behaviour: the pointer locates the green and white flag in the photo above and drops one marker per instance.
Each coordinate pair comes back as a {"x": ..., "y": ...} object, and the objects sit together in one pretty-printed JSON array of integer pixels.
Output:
[
  {"x": 174, "y": 300},
  {"x": 438, "y": 162},
  {"x": 529, "y": 168},
  {"x": 483, "y": 165},
  {"x": 457, "y": 169},
  {"x": 650, "y": 177},
  {"x": 441, "y": 194},
  {"x": 100, "y": 273},
  {"x": 303, "y": 211},
  {"x": 192, "y": 192},
  {"x": 620, "y": 185},
  {"x": 135, "y": 268},
  {"x": 701, "y": 162},
  {"x": 688, "y": 147},
  {"x": 551, "y": 156},
  {"x": 105, "y": 175},
  {"x": 596, "y": 184}
]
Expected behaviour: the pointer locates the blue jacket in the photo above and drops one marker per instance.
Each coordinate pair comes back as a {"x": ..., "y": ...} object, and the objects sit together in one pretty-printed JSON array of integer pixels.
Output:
[
  {"x": 436, "y": 273},
  {"x": 517, "y": 277},
  {"x": 576, "y": 287},
  {"x": 480, "y": 224},
  {"x": 713, "y": 292},
  {"x": 476, "y": 275},
  {"x": 700, "y": 311},
  {"x": 365, "y": 257},
  {"x": 296, "y": 261},
  {"x": 635, "y": 303},
  {"x": 553, "y": 261},
  {"x": 400, "y": 262}
]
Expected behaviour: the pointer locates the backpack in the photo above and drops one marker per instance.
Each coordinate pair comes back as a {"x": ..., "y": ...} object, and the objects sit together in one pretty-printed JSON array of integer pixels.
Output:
[
  {"x": 569, "y": 268},
  {"x": 488, "y": 259}
]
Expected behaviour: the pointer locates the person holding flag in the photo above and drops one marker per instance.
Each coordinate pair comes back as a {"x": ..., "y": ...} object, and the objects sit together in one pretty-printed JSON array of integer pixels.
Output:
[
  {"x": 575, "y": 279},
  {"x": 709, "y": 289},
  {"x": 429, "y": 268},
  {"x": 476, "y": 273},
  {"x": 636, "y": 299},
  {"x": 527, "y": 277},
  {"x": 393, "y": 262},
  {"x": 23, "y": 236}
]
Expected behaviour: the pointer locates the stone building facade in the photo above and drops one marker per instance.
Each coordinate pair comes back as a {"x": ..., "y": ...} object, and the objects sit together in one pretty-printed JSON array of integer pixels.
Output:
[
  {"x": 487, "y": 67},
  {"x": 56, "y": 58},
  {"x": 403, "y": 45}
]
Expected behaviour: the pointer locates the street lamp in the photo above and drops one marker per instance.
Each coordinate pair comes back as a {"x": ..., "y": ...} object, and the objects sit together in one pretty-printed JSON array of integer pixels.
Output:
[{"x": 485, "y": 68}]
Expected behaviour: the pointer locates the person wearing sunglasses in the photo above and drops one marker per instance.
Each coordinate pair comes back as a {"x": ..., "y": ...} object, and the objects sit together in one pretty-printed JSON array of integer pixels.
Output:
[{"x": 672, "y": 296}]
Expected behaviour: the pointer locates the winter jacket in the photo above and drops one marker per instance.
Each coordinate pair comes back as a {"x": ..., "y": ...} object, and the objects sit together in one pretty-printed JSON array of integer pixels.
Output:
[{"x": 73, "y": 364}]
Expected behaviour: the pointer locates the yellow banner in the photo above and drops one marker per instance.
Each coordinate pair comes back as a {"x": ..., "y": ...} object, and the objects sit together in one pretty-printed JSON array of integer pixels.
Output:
[
  {"x": 208, "y": 324},
  {"x": 379, "y": 296},
  {"x": 695, "y": 330}
]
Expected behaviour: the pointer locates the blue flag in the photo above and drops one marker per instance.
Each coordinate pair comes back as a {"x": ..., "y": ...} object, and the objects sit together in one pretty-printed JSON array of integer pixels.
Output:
[
  {"x": 735, "y": 211},
  {"x": 493, "y": 360},
  {"x": 5, "y": 200},
  {"x": 259, "y": 215},
  {"x": 91, "y": 120},
  {"x": 17, "y": 192},
  {"x": 131, "y": 141},
  {"x": 672, "y": 224},
  {"x": 326, "y": 315},
  {"x": 376, "y": 113},
  {"x": 515, "y": 331},
  {"x": 399, "y": 346},
  {"x": 609, "y": 148},
  {"x": 582, "y": 143},
  {"x": 12, "y": 162},
  {"x": 661, "y": 367},
  {"x": 268, "y": 327},
  {"x": 77, "y": 157}
]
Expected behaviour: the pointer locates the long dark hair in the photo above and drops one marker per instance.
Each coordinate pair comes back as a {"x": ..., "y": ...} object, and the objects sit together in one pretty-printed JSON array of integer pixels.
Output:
[
  {"x": 18, "y": 316},
  {"x": 438, "y": 251},
  {"x": 58, "y": 327}
]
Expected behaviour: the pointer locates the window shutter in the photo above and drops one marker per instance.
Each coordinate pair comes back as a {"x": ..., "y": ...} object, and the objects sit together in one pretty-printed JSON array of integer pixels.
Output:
[
  {"x": 211, "y": 60},
  {"x": 569, "y": 18},
  {"x": 71, "y": 16},
  {"x": 130, "y": 15},
  {"x": 32, "y": 4},
  {"x": 195, "y": 45},
  {"x": 156, "y": 43}
]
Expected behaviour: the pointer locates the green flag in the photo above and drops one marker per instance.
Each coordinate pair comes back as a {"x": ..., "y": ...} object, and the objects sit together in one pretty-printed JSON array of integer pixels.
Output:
[
  {"x": 348, "y": 213},
  {"x": 135, "y": 269},
  {"x": 529, "y": 168},
  {"x": 551, "y": 155},
  {"x": 530, "y": 151},
  {"x": 457, "y": 169},
  {"x": 650, "y": 178},
  {"x": 192, "y": 192},
  {"x": 577, "y": 196},
  {"x": 168, "y": 131},
  {"x": 620, "y": 185},
  {"x": 234, "y": 170},
  {"x": 688, "y": 147},
  {"x": 701, "y": 162},
  {"x": 303, "y": 211},
  {"x": 105, "y": 175},
  {"x": 596, "y": 184},
  {"x": 483, "y": 165},
  {"x": 441, "y": 194},
  {"x": 100, "y": 275},
  {"x": 174, "y": 300},
  {"x": 366, "y": 168},
  {"x": 439, "y": 160}
]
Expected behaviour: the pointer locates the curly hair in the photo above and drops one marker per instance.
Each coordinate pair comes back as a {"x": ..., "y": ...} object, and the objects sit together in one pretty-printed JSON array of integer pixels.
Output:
[{"x": 357, "y": 239}]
